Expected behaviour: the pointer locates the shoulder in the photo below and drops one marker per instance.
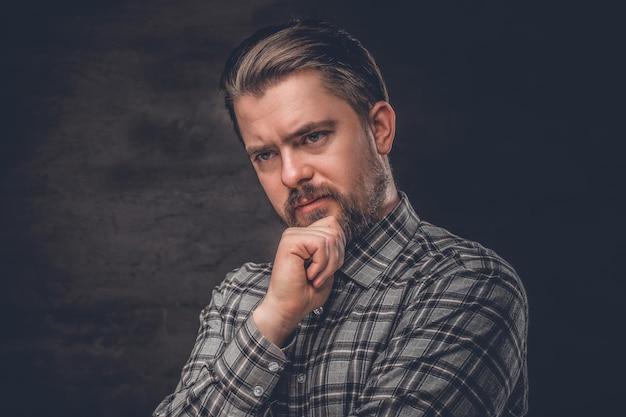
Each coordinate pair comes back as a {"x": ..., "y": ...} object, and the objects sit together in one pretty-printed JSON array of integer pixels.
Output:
[
  {"x": 243, "y": 287},
  {"x": 462, "y": 283},
  {"x": 441, "y": 250},
  {"x": 247, "y": 277},
  {"x": 443, "y": 261},
  {"x": 249, "y": 273}
]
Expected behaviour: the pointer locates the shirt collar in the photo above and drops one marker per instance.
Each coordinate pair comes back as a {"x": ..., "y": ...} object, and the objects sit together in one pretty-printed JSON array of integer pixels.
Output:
[{"x": 367, "y": 258}]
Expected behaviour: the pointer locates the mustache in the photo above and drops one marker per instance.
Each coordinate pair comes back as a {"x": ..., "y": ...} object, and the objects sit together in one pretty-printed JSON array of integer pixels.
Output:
[{"x": 308, "y": 191}]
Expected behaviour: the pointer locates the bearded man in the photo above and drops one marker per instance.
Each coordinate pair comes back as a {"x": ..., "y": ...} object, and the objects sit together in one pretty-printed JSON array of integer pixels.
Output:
[{"x": 366, "y": 308}]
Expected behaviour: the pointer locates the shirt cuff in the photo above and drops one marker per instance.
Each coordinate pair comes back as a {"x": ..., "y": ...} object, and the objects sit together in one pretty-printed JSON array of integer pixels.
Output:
[{"x": 250, "y": 368}]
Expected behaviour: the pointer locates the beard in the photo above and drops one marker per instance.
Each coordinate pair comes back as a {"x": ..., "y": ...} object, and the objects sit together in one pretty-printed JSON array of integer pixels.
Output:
[{"x": 359, "y": 210}]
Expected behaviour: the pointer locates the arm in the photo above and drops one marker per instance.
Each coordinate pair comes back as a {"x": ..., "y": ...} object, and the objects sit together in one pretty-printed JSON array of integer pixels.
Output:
[
  {"x": 230, "y": 359},
  {"x": 459, "y": 350},
  {"x": 236, "y": 361}
]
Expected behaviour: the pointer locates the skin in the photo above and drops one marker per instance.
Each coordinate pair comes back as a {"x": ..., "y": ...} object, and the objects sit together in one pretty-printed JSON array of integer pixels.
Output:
[{"x": 298, "y": 134}]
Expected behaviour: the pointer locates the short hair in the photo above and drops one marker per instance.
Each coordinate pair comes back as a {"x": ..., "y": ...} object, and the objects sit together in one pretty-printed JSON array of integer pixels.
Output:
[{"x": 348, "y": 70}]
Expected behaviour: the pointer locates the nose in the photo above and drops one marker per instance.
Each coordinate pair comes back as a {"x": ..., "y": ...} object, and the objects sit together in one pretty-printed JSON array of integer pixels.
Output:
[{"x": 295, "y": 169}]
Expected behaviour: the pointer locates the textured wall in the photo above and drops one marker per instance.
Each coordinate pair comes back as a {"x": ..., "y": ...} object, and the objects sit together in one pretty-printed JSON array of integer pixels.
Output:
[{"x": 125, "y": 196}]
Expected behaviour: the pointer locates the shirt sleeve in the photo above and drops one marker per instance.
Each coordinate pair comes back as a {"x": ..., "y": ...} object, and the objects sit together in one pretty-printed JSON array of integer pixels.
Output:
[
  {"x": 232, "y": 369},
  {"x": 459, "y": 350}
]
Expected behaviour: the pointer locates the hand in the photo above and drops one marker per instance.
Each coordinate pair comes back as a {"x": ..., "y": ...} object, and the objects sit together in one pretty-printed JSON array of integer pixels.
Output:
[{"x": 302, "y": 277}]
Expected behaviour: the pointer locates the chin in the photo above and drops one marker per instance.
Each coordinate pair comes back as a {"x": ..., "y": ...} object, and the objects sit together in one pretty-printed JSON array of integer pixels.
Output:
[{"x": 311, "y": 217}]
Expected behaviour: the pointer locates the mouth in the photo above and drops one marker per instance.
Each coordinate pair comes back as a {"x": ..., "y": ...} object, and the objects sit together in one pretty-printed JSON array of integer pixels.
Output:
[{"x": 307, "y": 205}]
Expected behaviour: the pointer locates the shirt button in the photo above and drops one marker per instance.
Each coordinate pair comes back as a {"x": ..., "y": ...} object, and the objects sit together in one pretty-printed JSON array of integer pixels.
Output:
[
  {"x": 301, "y": 378},
  {"x": 258, "y": 391},
  {"x": 273, "y": 367},
  {"x": 318, "y": 311}
]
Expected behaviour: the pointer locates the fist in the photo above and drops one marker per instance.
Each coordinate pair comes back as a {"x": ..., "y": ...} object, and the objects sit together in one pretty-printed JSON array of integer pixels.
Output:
[{"x": 302, "y": 276}]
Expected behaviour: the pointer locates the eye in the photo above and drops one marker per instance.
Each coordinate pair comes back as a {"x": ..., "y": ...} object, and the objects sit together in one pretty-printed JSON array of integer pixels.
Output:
[
  {"x": 315, "y": 137},
  {"x": 263, "y": 156}
]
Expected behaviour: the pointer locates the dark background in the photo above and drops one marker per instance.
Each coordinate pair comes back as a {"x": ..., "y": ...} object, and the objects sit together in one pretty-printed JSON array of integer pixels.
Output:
[{"x": 125, "y": 196}]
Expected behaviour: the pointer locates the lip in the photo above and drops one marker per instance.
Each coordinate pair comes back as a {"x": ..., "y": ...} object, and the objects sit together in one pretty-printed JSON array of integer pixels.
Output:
[{"x": 310, "y": 204}]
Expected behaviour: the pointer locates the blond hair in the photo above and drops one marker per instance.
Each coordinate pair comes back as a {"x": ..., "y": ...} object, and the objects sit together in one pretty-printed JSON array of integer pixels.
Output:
[{"x": 348, "y": 70}]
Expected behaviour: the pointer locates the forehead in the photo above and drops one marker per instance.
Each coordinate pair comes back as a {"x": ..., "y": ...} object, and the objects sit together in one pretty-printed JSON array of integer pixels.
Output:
[{"x": 283, "y": 107}]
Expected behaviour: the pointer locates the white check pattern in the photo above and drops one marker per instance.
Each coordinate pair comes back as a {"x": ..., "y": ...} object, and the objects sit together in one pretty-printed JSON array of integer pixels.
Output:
[{"x": 419, "y": 323}]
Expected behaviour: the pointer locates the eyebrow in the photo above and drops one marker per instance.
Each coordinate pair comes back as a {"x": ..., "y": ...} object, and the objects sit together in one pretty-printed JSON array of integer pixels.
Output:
[{"x": 304, "y": 130}]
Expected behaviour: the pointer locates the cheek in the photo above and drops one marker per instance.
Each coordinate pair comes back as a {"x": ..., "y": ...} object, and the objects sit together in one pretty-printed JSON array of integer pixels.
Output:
[
  {"x": 345, "y": 173},
  {"x": 350, "y": 160}
]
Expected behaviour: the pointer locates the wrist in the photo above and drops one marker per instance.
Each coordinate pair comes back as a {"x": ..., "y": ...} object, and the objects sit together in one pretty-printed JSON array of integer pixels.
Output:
[{"x": 272, "y": 326}]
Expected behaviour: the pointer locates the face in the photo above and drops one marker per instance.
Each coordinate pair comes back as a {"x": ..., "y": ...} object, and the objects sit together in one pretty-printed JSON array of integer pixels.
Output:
[{"x": 312, "y": 155}]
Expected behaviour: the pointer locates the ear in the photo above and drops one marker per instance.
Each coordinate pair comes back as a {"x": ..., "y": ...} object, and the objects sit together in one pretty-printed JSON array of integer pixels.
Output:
[{"x": 383, "y": 125}]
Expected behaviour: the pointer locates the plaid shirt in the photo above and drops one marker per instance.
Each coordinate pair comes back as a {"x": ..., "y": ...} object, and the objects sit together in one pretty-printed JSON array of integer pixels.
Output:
[{"x": 419, "y": 323}]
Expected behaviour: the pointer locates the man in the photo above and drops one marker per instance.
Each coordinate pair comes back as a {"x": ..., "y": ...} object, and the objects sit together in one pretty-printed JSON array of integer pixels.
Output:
[{"x": 366, "y": 309}]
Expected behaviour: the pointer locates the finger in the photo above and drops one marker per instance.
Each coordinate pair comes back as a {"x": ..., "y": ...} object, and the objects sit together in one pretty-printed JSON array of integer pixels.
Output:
[
  {"x": 320, "y": 247},
  {"x": 334, "y": 262},
  {"x": 327, "y": 221},
  {"x": 318, "y": 261},
  {"x": 320, "y": 284}
]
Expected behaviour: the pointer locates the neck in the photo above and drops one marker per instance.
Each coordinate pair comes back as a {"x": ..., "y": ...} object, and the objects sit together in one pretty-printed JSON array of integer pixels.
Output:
[{"x": 392, "y": 198}]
